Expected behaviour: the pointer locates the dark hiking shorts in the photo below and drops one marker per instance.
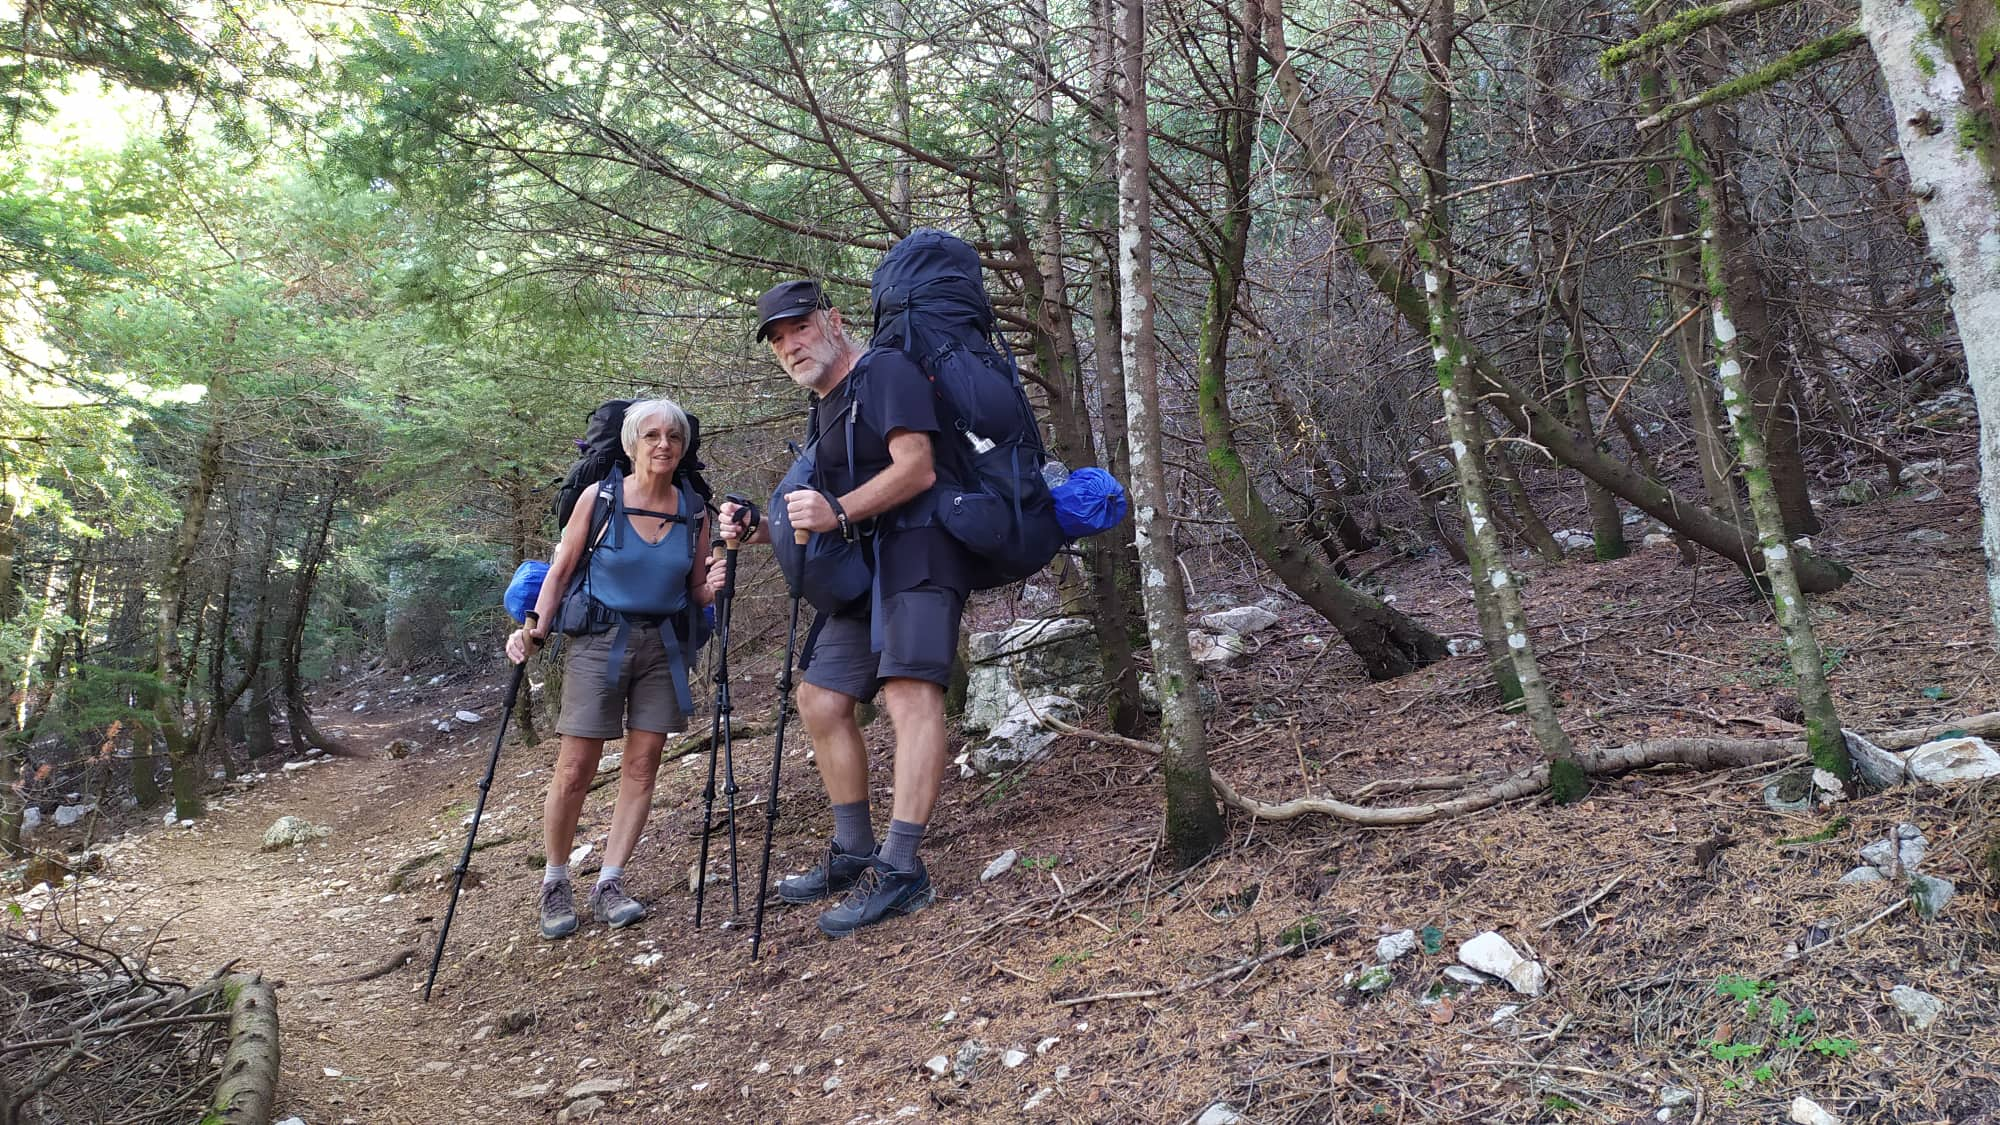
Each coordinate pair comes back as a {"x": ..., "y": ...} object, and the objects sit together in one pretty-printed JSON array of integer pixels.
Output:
[
  {"x": 643, "y": 699},
  {"x": 919, "y": 640}
]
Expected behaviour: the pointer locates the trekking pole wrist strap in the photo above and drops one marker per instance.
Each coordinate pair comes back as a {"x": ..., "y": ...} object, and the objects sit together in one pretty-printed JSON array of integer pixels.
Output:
[{"x": 840, "y": 517}]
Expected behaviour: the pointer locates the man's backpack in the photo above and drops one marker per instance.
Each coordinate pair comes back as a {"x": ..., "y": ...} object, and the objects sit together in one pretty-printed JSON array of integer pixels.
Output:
[
  {"x": 602, "y": 449},
  {"x": 930, "y": 302}
]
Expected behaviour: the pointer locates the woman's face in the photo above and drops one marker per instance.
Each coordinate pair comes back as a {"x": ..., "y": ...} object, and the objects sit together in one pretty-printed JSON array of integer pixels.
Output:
[{"x": 659, "y": 448}]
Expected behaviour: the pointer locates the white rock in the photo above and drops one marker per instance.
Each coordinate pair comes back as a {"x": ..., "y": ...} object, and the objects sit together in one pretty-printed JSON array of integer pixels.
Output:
[
  {"x": 1465, "y": 646},
  {"x": 1396, "y": 945},
  {"x": 1023, "y": 735},
  {"x": 1219, "y": 1114},
  {"x": 1503, "y": 1013},
  {"x": 938, "y": 1065},
  {"x": 1879, "y": 769},
  {"x": 1929, "y": 894},
  {"x": 1472, "y": 978},
  {"x": 1000, "y": 866},
  {"x": 1014, "y": 1057},
  {"x": 1223, "y": 650},
  {"x": 1046, "y": 1045},
  {"x": 1866, "y": 873},
  {"x": 1493, "y": 955},
  {"x": 1034, "y": 1103},
  {"x": 532, "y": 1090},
  {"x": 1671, "y": 1096},
  {"x": 291, "y": 1121},
  {"x": 595, "y": 1087},
  {"x": 1904, "y": 849},
  {"x": 467, "y": 716},
  {"x": 831, "y": 1084},
  {"x": 1806, "y": 1111},
  {"x": 1570, "y": 540},
  {"x": 1655, "y": 541},
  {"x": 1917, "y": 1006},
  {"x": 67, "y": 815},
  {"x": 31, "y": 818},
  {"x": 1953, "y": 759},
  {"x": 1242, "y": 619},
  {"x": 288, "y": 831},
  {"x": 294, "y": 767}
]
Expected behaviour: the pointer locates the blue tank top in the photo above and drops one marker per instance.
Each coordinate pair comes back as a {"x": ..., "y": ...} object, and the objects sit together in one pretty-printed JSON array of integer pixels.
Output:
[{"x": 632, "y": 576}]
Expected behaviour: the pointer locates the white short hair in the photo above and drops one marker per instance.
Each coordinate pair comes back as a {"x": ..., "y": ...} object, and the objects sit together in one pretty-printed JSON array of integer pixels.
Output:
[{"x": 644, "y": 411}]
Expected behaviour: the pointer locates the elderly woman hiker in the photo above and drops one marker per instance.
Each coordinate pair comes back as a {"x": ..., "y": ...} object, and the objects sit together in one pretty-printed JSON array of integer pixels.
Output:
[{"x": 632, "y": 550}]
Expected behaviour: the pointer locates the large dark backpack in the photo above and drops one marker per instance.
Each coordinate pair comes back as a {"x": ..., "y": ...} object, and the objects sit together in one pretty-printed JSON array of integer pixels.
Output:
[
  {"x": 930, "y": 302},
  {"x": 601, "y": 450}
]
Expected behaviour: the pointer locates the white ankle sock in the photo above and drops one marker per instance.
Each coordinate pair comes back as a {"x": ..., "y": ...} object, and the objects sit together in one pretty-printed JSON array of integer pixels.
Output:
[
  {"x": 609, "y": 872},
  {"x": 555, "y": 873}
]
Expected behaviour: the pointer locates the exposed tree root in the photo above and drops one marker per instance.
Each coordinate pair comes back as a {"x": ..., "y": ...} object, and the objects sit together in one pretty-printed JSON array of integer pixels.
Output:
[
  {"x": 380, "y": 969},
  {"x": 1699, "y": 753}
]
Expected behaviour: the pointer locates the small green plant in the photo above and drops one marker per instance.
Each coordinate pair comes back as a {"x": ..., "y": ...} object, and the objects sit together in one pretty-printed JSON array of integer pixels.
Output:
[
  {"x": 1037, "y": 862},
  {"x": 1770, "y": 1035},
  {"x": 1065, "y": 960},
  {"x": 1556, "y": 1103},
  {"x": 1002, "y": 789}
]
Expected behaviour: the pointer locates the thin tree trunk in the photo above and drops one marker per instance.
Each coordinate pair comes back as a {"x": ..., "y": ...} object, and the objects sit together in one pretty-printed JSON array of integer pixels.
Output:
[
  {"x": 1114, "y": 559},
  {"x": 297, "y": 714},
  {"x": 1607, "y": 529},
  {"x": 1698, "y": 524},
  {"x": 1726, "y": 233},
  {"x": 1432, "y": 235},
  {"x": 1388, "y": 643},
  {"x": 169, "y": 660},
  {"x": 1823, "y": 737},
  {"x": 1680, "y": 266},
  {"x": 1193, "y": 824},
  {"x": 1942, "y": 104}
]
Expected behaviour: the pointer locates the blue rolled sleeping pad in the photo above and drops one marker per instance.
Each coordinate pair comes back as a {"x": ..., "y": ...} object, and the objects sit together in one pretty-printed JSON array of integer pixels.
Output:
[
  {"x": 524, "y": 588},
  {"x": 1089, "y": 502}
]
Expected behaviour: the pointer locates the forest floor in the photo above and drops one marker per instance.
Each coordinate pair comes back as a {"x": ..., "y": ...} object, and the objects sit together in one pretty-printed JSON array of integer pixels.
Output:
[{"x": 682, "y": 1025}]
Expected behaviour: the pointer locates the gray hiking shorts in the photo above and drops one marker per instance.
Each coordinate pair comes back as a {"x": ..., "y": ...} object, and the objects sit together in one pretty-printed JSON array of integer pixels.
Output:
[
  {"x": 643, "y": 699},
  {"x": 919, "y": 640}
]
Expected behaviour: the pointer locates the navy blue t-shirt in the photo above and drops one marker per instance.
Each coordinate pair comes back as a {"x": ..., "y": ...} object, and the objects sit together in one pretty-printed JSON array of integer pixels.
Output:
[{"x": 886, "y": 392}]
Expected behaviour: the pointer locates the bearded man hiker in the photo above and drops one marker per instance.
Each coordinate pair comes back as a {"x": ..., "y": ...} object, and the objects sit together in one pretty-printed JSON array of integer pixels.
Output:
[{"x": 884, "y": 455}]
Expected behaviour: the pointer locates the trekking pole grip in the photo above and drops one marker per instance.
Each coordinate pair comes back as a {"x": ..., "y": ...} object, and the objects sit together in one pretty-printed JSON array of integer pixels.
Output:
[{"x": 800, "y": 536}]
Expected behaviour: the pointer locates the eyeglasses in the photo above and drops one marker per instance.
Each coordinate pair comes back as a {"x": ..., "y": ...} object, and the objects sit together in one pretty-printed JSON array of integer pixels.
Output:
[{"x": 656, "y": 437}]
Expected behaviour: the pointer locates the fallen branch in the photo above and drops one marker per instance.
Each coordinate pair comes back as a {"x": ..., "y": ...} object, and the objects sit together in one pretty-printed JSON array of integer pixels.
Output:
[
  {"x": 381, "y": 968},
  {"x": 250, "y": 1068},
  {"x": 1698, "y": 753},
  {"x": 1586, "y": 904}
]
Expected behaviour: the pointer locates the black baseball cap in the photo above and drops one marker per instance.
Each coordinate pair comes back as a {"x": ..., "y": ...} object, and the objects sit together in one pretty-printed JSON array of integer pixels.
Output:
[{"x": 788, "y": 299}]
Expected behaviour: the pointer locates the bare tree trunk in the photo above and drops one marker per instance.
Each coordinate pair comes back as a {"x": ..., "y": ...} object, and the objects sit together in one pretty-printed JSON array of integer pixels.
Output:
[
  {"x": 1943, "y": 101},
  {"x": 169, "y": 661},
  {"x": 297, "y": 714},
  {"x": 1193, "y": 824},
  {"x": 1114, "y": 560},
  {"x": 1388, "y": 642},
  {"x": 1727, "y": 234},
  {"x": 899, "y": 110},
  {"x": 1823, "y": 738},
  {"x": 1698, "y": 524},
  {"x": 1680, "y": 267},
  {"x": 1607, "y": 529},
  {"x": 1432, "y": 235}
]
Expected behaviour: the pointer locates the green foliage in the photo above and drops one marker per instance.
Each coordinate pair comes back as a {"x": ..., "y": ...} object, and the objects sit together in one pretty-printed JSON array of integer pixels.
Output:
[
  {"x": 1835, "y": 828},
  {"x": 1767, "y": 1031}
]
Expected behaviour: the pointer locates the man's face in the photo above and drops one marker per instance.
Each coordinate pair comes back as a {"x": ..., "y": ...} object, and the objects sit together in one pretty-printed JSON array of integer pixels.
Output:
[{"x": 807, "y": 346}]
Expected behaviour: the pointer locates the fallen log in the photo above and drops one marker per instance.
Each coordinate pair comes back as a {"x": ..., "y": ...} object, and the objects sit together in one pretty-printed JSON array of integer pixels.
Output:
[
  {"x": 1698, "y": 753},
  {"x": 250, "y": 1068}
]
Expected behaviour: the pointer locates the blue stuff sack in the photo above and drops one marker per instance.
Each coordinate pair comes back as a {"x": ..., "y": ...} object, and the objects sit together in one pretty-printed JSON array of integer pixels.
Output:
[
  {"x": 1089, "y": 502},
  {"x": 524, "y": 588}
]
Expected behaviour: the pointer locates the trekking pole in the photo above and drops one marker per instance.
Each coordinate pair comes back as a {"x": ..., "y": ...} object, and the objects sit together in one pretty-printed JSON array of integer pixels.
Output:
[
  {"x": 715, "y": 732},
  {"x": 479, "y": 808},
  {"x": 722, "y": 735},
  {"x": 777, "y": 754}
]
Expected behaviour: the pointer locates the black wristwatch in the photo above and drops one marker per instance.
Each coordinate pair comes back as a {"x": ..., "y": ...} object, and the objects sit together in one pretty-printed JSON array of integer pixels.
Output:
[{"x": 840, "y": 517}]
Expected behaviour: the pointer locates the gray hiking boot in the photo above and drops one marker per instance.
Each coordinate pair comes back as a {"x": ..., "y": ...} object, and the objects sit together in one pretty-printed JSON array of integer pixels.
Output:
[
  {"x": 558, "y": 910},
  {"x": 610, "y": 904},
  {"x": 830, "y": 878},
  {"x": 880, "y": 892}
]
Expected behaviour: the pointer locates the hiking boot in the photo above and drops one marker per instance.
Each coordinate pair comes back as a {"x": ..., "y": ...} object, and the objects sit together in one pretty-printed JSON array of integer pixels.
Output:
[
  {"x": 610, "y": 904},
  {"x": 558, "y": 910},
  {"x": 880, "y": 892},
  {"x": 830, "y": 878}
]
